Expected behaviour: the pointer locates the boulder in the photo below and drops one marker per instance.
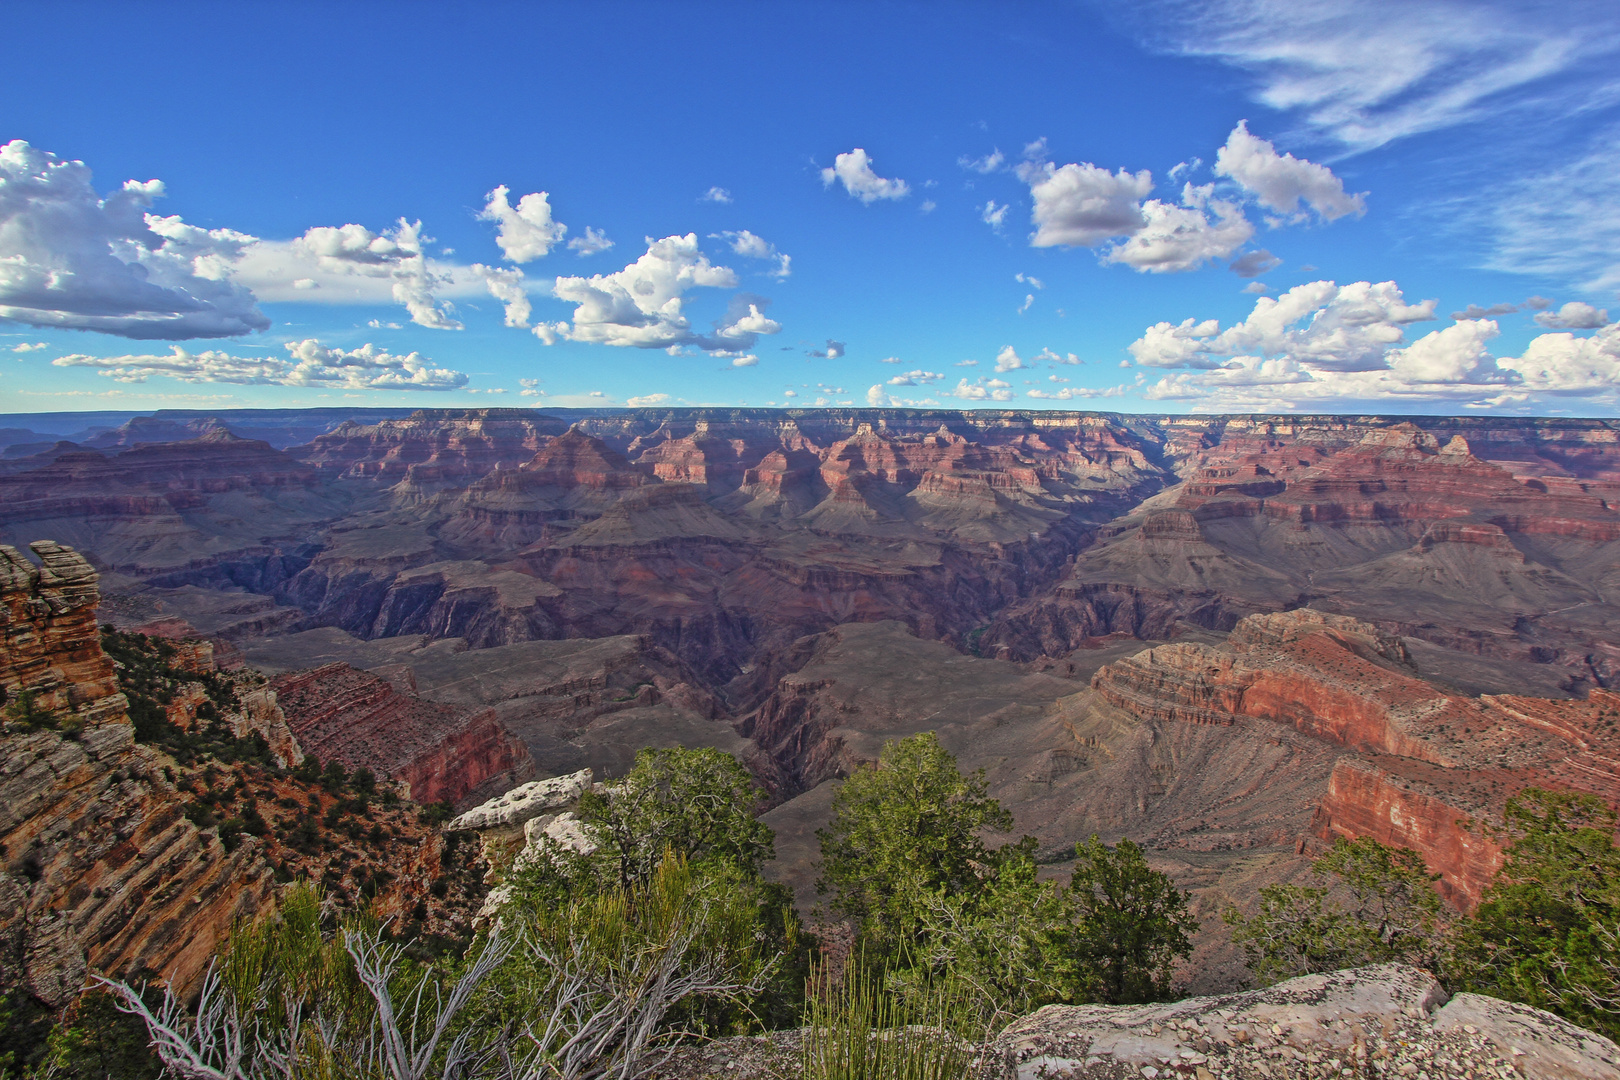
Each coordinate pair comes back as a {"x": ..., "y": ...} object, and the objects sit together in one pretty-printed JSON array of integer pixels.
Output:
[
  {"x": 1386, "y": 1020},
  {"x": 524, "y": 802}
]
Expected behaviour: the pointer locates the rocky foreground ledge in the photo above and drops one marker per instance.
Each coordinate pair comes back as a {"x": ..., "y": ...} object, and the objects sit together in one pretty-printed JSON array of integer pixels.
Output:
[{"x": 1384, "y": 1021}]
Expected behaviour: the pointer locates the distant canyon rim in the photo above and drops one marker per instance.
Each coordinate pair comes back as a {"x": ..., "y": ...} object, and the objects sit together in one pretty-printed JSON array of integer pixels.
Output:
[{"x": 1229, "y": 638}]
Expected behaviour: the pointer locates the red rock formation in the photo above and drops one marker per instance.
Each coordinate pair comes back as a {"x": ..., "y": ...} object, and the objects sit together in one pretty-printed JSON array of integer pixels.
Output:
[
  {"x": 1360, "y": 516},
  {"x": 216, "y": 463},
  {"x": 1389, "y": 805},
  {"x": 1430, "y": 766},
  {"x": 51, "y": 646},
  {"x": 444, "y": 753}
]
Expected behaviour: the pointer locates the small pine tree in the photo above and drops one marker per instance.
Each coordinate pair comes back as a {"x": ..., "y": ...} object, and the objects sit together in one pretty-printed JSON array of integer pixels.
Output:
[
  {"x": 904, "y": 830},
  {"x": 1130, "y": 924}
]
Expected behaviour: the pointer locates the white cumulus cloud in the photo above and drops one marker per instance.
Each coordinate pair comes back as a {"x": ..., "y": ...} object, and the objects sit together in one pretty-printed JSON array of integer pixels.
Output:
[
  {"x": 1575, "y": 315},
  {"x": 918, "y": 377},
  {"x": 1282, "y": 182},
  {"x": 879, "y": 398},
  {"x": 310, "y": 364},
  {"x": 1254, "y": 263},
  {"x": 593, "y": 242},
  {"x": 26, "y": 347},
  {"x": 1345, "y": 328},
  {"x": 1008, "y": 360},
  {"x": 1174, "y": 238},
  {"x": 854, "y": 171},
  {"x": 981, "y": 389},
  {"x": 752, "y": 246},
  {"x": 71, "y": 258},
  {"x": 353, "y": 264},
  {"x": 524, "y": 232},
  {"x": 646, "y": 400},
  {"x": 715, "y": 195},
  {"x": 506, "y": 285},
  {"x": 1334, "y": 348},
  {"x": 641, "y": 306},
  {"x": 1083, "y": 205},
  {"x": 1565, "y": 364}
]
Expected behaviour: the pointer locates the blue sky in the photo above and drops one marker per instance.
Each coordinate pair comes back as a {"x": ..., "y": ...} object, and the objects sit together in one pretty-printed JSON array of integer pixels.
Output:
[{"x": 1242, "y": 206}]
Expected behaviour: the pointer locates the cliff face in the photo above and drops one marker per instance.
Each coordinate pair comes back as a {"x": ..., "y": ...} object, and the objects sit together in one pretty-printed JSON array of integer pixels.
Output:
[
  {"x": 431, "y": 448},
  {"x": 102, "y": 870},
  {"x": 1427, "y": 768},
  {"x": 218, "y": 509},
  {"x": 51, "y": 645},
  {"x": 120, "y": 859},
  {"x": 441, "y": 752}
]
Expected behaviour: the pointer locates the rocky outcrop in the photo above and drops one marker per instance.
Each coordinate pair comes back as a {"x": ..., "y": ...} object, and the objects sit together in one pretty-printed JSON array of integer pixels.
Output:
[
  {"x": 51, "y": 647},
  {"x": 1387, "y": 1020},
  {"x": 1326, "y": 675},
  {"x": 178, "y": 473},
  {"x": 526, "y": 801},
  {"x": 431, "y": 448},
  {"x": 102, "y": 870},
  {"x": 1388, "y": 800},
  {"x": 1445, "y": 530},
  {"x": 441, "y": 752}
]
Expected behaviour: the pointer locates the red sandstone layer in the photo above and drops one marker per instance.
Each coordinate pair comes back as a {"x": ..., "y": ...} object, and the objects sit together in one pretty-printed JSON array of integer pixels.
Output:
[{"x": 443, "y": 752}]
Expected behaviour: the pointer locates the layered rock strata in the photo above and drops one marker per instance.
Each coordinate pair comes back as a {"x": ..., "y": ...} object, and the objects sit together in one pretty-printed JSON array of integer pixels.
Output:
[
  {"x": 1428, "y": 768},
  {"x": 440, "y": 752},
  {"x": 102, "y": 869},
  {"x": 115, "y": 858}
]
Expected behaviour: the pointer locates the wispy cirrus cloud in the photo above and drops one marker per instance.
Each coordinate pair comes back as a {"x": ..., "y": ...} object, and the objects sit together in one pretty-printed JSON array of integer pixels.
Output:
[{"x": 1364, "y": 74}]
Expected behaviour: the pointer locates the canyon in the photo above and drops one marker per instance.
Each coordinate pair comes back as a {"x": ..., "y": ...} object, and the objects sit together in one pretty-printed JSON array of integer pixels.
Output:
[{"x": 1228, "y": 638}]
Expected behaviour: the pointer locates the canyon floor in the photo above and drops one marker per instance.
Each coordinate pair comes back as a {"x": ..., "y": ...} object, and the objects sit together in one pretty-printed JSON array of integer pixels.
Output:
[{"x": 1228, "y": 638}]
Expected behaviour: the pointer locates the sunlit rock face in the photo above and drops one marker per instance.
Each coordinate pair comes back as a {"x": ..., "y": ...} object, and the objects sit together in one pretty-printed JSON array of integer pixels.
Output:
[{"x": 102, "y": 870}]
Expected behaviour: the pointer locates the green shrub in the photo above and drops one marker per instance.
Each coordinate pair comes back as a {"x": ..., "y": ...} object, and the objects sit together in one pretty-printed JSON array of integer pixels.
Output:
[
  {"x": 1376, "y": 904},
  {"x": 23, "y": 712},
  {"x": 903, "y": 831},
  {"x": 697, "y": 802},
  {"x": 1130, "y": 924},
  {"x": 96, "y": 1040},
  {"x": 1005, "y": 947},
  {"x": 1547, "y": 930},
  {"x": 857, "y": 1029}
]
